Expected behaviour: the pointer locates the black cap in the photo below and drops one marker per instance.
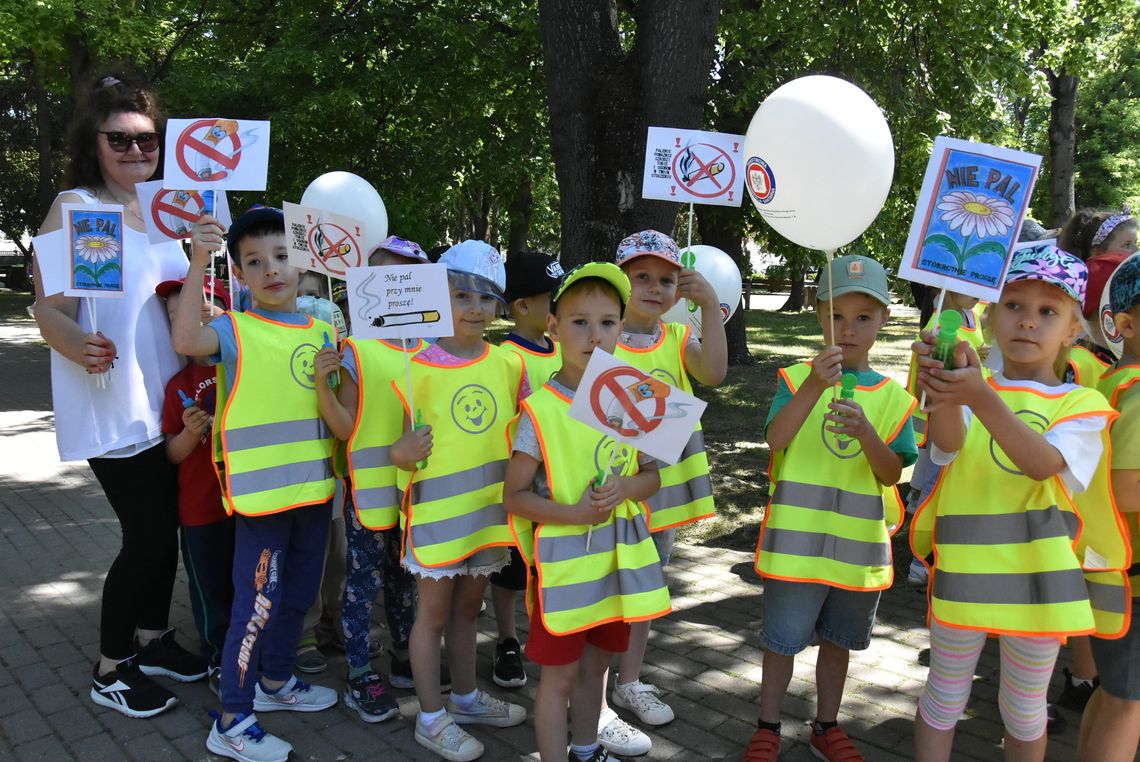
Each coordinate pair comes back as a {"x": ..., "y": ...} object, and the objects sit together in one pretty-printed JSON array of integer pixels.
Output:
[
  {"x": 255, "y": 215},
  {"x": 530, "y": 273}
]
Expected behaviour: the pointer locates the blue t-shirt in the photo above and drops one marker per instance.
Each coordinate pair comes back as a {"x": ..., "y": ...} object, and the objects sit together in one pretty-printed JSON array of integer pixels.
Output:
[{"x": 903, "y": 444}]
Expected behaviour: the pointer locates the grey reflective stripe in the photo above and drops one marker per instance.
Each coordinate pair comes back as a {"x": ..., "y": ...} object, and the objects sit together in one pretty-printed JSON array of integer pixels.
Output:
[
  {"x": 461, "y": 482},
  {"x": 275, "y": 477},
  {"x": 604, "y": 540},
  {"x": 1110, "y": 598},
  {"x": 793, "y": 542},
  {"x": 457, "y": 527},
  {"x": 681, "y": 494},
  {"x": 1062, "y": 586},
  {"x": 619, "y": 582},
  {"x": 281, "y": 432},
  {"x": 376, "y": 497},
  {"x": 372, "y": 457},
  {"x": 819, "y": 498},
  {"x": 695, "y": 444},
  {"x": 1005, "y": 528}
]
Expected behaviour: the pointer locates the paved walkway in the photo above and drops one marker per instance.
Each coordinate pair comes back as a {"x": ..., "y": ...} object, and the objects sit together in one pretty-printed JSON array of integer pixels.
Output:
[{"x": 58, "y": 536}]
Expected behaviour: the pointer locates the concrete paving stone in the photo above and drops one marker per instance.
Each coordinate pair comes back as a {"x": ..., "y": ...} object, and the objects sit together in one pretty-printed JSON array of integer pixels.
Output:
[
  {"x": 18, "y": 653},
  {"x": 54, "y": 698},
  {"x": 181, "y": 720},
  {"x": 5, "y": 677},
  {"x": 36, "y": 675},
  {"x": 47, "y": 749},
  {"x": 153, "y": 747},
  {"x": 23, "y": 726},
  {"x": 75, "y": 723},
  {"x": 98, "y": 748},
  {"x": 193, "y": 746}
]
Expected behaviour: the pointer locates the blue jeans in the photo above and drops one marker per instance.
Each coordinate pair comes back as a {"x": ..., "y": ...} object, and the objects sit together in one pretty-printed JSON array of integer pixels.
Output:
[{"x": 795, "y": 611}]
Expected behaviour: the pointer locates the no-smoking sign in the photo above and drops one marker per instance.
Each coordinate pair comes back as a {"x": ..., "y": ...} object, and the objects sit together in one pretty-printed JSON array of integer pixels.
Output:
[
  {"x": 693, "y": 166},
  {"x": 216, "y": 153},
  {"x": 170, "y": 213},
  {"x": 628, "y": 401},
  {"x": 334, "y": 247}
]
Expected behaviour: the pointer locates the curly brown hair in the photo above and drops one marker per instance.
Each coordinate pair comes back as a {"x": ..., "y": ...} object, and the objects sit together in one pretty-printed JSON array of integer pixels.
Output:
[{"x": 112, "y": 92}]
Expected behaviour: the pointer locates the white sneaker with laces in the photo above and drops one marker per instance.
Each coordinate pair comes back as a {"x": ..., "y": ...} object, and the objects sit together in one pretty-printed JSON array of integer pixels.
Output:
[
  {"x": 293, "y": 696},
  {"x": 450, "y": 742},
  {"x": 619, "y": 737},
  {"x": 487, "y": 710},
  {"x": 245, "y": 741},
  {"x": 641, "y": 699}
]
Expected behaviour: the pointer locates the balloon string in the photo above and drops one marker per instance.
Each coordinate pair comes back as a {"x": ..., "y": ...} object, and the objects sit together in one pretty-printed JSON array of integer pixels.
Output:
[{"x": 937, "y": 314}]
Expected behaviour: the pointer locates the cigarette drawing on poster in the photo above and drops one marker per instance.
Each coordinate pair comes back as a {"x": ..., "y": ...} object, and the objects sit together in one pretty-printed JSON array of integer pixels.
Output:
[
  {"x": 974, "y": 198},
  {"x": 95, "y": 249},
  {"x": 322, "y": 241},
  {"x": 216, "y": 153},
  {"x": 399, "y": 301},
  {"x": 693, "y": 166},
  {"x": 170, "y": 213}
]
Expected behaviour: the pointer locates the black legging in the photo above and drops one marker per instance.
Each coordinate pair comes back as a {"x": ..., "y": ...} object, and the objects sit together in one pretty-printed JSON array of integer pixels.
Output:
[{"x": 143, "y": 491}]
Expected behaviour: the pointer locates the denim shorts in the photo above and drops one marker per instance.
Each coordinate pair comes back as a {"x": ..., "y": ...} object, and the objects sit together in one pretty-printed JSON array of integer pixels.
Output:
[
  {"x": 1118, "y": 663},
  {"x": 663, "y": 541},
  {"x": 795, "y": 611}
]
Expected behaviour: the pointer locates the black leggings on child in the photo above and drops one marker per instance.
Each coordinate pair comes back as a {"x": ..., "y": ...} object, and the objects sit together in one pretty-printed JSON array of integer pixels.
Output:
[{"x": 143, "y": 491}]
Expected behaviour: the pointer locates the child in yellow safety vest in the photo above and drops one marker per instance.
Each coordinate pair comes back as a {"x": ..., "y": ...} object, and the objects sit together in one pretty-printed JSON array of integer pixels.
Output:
[
  {"x": 666, "y": 350},
  {"x": 531, "y": 278},
  {"x": 1110, "y": 729},
  {"x": 587, "y": 537},
  {"x": 273, "y": 454},
  {"x": 1001, "y": 522},
  {"x": 455, "y": 526},
  {"x": 824, "y": 549}
]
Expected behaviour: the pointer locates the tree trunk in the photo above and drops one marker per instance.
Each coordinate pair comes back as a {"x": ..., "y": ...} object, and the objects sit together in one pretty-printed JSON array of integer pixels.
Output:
[
  {"x": 521, "y": 207},
  {"x": 601, "y": 101},
  {"x": 1062, "y": 143},
  {"x": 795, "y": 301},
  {"x": 719, "y": 226}
]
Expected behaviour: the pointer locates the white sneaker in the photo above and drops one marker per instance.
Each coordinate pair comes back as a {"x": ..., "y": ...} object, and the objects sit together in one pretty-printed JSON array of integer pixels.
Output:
[
  {"x": 294, "y": 696},
  {"x": 451, "y": 742},
  {"x": 487, "y": 710},
  {"x": 246, "y": 741},
  {"x": 641, "y": 699},
  {"x": 620, "y": 737},
  {"x": 917, "y": 574}
]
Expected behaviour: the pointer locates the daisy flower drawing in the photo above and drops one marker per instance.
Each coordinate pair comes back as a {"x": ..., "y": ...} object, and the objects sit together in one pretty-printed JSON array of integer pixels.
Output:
[
  {"x": 976, "y": 212},
  {"x": 97, "y": 248}
]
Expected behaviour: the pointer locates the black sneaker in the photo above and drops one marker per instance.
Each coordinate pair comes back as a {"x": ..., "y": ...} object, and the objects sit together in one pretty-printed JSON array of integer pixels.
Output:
[
  {"x": 600, "y": 755},
  {"x": 400, "y": 674},
  {"x": 163, "y": 656},
  {"x": 1054, "y": 721},
  {"x": 1074, "y": 696},
  {"x": 366, "y": 695},
  {"x": 128, "y": 691},
  {"x": 509, "y": 672}
]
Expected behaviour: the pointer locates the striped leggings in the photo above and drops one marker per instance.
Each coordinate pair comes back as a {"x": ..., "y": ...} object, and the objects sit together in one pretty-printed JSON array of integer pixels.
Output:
[{"x": 1026, "y": 666}]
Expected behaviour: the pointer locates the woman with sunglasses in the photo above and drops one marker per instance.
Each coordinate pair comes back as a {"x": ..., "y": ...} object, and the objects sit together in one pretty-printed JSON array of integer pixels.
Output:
[{"x": 115, "y": 424}]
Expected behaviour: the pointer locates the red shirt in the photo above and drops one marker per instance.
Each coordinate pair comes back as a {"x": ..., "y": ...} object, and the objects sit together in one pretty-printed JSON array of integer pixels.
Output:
[{"x": 199, "y": 496}]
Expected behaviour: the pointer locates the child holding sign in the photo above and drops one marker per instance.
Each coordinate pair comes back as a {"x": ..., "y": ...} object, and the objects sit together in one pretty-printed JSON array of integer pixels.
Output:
[
  {"x": 825, "y": 549},
  {"x": 552, "y": 482},
  {"x": 455, "y": 528},
  {"x": 1001, "y": 522}
]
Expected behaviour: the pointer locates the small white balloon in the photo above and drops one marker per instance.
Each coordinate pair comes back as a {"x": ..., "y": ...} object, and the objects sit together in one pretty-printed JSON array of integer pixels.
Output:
[
  {"x": 353, "y": 196},
  {"x": 819, "y": 160},
  {"x": 722, "y": 274}
]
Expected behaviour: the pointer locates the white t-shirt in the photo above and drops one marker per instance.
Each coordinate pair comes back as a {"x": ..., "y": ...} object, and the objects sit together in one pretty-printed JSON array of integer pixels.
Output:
[
  {"x": 1078, "y": 440},
  {"x": 125, "y": 417}
]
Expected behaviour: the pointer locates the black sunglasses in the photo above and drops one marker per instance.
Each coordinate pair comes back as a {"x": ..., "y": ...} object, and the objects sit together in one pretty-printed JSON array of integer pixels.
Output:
[{"x": 120, "y": 142}]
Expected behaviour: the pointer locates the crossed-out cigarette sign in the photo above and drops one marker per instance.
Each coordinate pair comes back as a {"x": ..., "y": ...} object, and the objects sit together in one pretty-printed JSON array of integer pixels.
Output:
[{"x": 627, "y": 387}]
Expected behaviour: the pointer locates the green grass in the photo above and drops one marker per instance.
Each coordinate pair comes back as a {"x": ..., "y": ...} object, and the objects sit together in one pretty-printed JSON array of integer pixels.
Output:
[
  {"x": 734, "y": 420},
  {"x": 13, "y": 306}
]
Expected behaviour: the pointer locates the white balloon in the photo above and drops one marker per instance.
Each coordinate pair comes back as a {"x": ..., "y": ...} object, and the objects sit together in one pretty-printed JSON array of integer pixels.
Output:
[
  {"x": 819, "y": 161},
  {"x": 724, "y": 277},
  {"x": 353, "y": 196}
]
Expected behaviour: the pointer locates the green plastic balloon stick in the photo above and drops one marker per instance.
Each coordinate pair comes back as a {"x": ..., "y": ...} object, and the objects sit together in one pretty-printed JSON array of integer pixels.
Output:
[
  {"x": 419, "y": 425},
  {"x": 947, "y": 339},
  {"x": 689, "y": 261}
]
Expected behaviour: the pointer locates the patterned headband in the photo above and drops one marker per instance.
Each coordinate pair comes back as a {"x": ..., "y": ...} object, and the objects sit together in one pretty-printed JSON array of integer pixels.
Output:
[{"x": 1109, "y": 225}]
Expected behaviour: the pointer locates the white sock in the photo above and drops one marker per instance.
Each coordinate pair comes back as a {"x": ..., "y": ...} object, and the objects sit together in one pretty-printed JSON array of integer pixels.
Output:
[
  {"x": 428, "y": 720},
  {"x": 584, "y": 752},
  {"x": 465, "y": 700}
]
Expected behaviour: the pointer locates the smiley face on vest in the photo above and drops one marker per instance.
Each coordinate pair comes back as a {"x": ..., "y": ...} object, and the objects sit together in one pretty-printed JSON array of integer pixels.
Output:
[{"x": 474, "y": 409}]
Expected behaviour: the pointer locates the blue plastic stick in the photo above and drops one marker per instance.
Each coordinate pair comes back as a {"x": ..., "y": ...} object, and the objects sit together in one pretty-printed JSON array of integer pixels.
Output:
[{"x": 334, "y": 377}]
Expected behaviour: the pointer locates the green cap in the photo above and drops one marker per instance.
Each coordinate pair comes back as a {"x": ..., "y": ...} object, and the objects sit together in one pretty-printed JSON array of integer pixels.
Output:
[
  {"x": 854, "y": 274},
  {"x": 607, "y": 271}
]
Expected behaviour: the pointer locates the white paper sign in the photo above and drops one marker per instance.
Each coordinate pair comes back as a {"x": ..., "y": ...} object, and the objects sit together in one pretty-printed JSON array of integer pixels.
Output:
[
  {"x": 216, "y": 153},
  {"x": 169, "y": 213},
  {"x": 693, "y": 166},
  {"x": 50, "y": 250},
  {"x": 635, "y": 408},
  {"x": 399, "y": 301},
  {"x": 968, "y": 216},
  {"x": 323, "y": 241}
]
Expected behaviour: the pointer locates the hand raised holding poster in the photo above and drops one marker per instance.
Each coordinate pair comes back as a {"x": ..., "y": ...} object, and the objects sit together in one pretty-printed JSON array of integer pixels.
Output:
[
  {"x": 399, "y": 301},
  {"x": 323, "y": 241},
  {"x": 169, "y": 213},
  {"x": 635, "y": 408},
  {"x": 216, "y": 153}
]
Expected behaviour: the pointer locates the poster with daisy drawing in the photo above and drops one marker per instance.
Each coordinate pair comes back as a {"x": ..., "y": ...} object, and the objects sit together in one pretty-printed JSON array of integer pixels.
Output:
[
  {"x": 95, "y": 249},
  {"x": 969, "y": 212}
]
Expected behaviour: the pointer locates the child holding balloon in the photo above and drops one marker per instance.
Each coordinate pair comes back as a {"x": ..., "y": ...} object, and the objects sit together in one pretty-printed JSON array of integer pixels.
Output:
[
  {"x": 455, "y": 527},
  {"x": 824, "y": 550},
  {"x": 1001, "y": 521}
]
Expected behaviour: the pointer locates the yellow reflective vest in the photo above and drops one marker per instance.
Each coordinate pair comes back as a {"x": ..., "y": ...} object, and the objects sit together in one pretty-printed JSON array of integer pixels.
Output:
[
  {"x": 620, "y": 577},
  {"x": 686, "y": 493},
  {"x": 272, "y": 451},
  {"x": 379, "y": 423},
  {"x": 970, "y": 332},
  {"x": 1087, "y": 367},
  {"x": 1005, "y": 558},
  {"x": 829, "y": 520},
  {"x": 453, "y": 508},
  {"x": 540, "y": 366}
]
